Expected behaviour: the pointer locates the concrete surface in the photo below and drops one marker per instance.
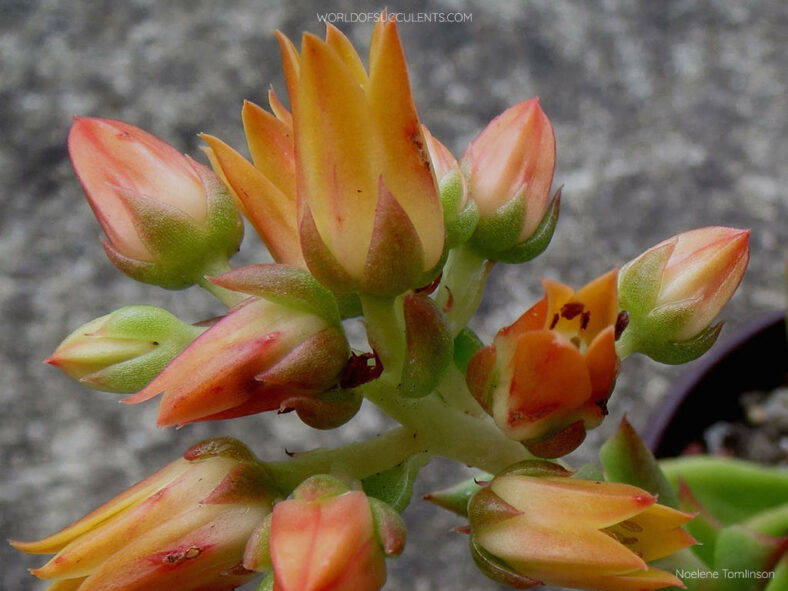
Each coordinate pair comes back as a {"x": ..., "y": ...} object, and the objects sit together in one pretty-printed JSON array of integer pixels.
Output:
[{"x": 669, "y": 115}]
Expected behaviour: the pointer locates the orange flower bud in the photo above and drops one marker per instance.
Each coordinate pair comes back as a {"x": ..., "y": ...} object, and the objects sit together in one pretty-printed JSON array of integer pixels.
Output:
[
  {"x": 549, "y": 529},
  {"x": 167, "y": 219},
  {"x": 510, "y": 166},
  {"x": 330, "y": 538},
  {"x": 547, "y": 377},
  {"x": 184, "y": 527},
  {"x": 674, "y": 290},
  {"x": 262, "y": 356},
  {"x": 370, "y": 218}
]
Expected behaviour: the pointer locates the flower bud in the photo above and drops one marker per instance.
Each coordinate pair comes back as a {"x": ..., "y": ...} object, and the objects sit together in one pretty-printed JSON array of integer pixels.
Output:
[
  {"x": 184, "y": 527},
  {"x": 547, "y": 377},
  {"x": 123, "y": 351},
  {"x": 537, "y": 526},
  {"x": 509, "y": 167},
  {"x": 167, "y": 220},
  {"x": 460, "y": 214},
  {"x": 673, "y": 291},
  {"x": 327, "y": 537},
  {"x": 370, "y": 218},
  {"x": 263, "y": 355}
]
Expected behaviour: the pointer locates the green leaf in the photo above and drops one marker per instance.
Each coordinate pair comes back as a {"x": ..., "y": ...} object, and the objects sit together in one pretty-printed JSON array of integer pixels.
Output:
[
  {"x": 395, "y": 485},
  {"x": 772, "y": 522},
  {"x": 455, "y": 498},
  {"x": 625, "y": 458},
  {"x": 704, "y": 527},
  {"x": 732, "y": 490},
  {"x": 283, "y": 284},
  {"x": 779, "y": 580},
  {"x": 746, "y": 555}
]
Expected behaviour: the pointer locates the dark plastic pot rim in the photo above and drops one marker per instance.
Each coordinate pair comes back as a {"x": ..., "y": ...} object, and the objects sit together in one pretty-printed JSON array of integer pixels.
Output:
[{"x": 713, "y": 362}]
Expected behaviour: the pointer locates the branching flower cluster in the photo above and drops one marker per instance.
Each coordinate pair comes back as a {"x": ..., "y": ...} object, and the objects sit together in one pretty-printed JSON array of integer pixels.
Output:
[{"x": 368, "y": 216}]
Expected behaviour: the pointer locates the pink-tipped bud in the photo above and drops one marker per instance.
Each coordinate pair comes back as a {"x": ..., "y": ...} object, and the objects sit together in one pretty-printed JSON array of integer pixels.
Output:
[
  {"x": 674, "y": 290},
  {"x": 184, "y": 527},
  {"x": 328, "y": 537},
  {"x": 167, "y": 219},
  {"x": 510, "y": 166},
  {"x": 460, "y": 214}
]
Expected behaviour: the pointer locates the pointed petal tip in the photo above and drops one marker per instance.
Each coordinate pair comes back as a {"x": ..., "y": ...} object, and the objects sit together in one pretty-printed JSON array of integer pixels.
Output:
[{"x": 141, "y": 396}]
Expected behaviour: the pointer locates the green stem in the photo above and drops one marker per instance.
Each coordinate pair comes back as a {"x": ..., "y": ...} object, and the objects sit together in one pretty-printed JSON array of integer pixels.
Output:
[
  {"x": 354, "y": 461},
  {"x": 455, "y": 392},
  {"x": 384, "y": 332},
  {"x": 446, "y": 431},
  {"x": 462, "y": 286},
  {"x": 227, "y": 297}
]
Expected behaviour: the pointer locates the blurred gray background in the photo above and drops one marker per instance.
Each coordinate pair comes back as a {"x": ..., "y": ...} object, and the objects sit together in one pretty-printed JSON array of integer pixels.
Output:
[{"x": 669, "y": 115}]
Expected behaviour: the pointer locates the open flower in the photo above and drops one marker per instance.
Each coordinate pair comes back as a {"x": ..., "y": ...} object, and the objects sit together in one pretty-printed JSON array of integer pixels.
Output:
[
  {"x": 547, "y": 377},
  {"x": 327, "y": 538},
  {"x": 555, "y": 530},
  {"x": 167, "y": 219},
  {"x": 370, "y": 218},
  {"x": 510, "y": 167},
  {"x": 674, "y": 290},
  {"x": 266, "y": 190},
  {"x": 184, "y": 527}
]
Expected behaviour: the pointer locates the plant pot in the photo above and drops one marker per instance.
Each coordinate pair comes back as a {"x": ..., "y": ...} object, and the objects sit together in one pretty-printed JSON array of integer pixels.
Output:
[{"x": 754, "y": 358}]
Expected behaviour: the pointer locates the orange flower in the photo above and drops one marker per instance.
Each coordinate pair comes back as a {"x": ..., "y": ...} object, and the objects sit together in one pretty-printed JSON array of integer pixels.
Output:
[
  {"x": 184, "y": 527},
  {"x": 567, "y": 532},
  {"x": 265, "y": 191},
  {"x": 167, "y": 219},
  {"x": 370, "y": 218},
  {"x": 546, "y": 378}
]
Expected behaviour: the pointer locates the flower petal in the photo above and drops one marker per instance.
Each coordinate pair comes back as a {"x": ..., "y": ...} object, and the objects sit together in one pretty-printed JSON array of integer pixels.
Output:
[
  {"x": 407, "y": 171},
  {"x": 271, "y": 211},
  {"x": 271, "y": 146},
  {"x": 338, "y": 154},
  {"x": 545, "y": 378},
  {"x": 556, "y": 502}
]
